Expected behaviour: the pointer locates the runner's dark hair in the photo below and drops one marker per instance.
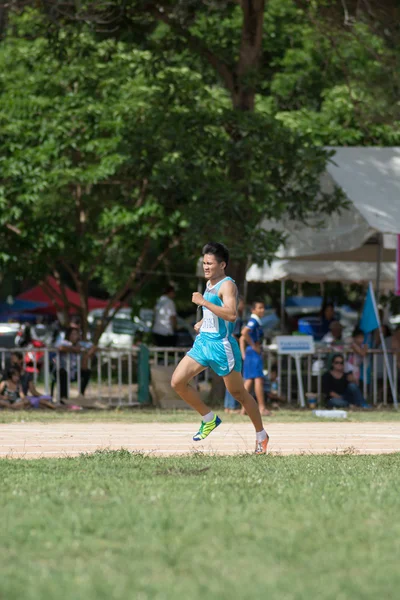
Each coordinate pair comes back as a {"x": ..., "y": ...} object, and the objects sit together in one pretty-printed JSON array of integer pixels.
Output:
[{"x": 220, "y": 251}]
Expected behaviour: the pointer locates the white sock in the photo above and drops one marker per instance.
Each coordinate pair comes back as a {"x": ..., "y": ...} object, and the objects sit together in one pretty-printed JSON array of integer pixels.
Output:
[
  {"x": 208, "y": 417},
  {"x": 260, "y": 435}
]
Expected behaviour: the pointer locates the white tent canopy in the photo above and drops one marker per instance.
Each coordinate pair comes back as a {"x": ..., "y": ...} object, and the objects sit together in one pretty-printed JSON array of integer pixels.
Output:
[
  {"x": 316, "y": 271},
  {"x": 370, "y": 178},
  {"x": 335, "y": 249}
]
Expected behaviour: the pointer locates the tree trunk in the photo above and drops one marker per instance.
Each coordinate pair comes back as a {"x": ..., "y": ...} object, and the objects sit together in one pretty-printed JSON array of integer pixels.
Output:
[
  {"x": 4, "y": 8},
  {"x": 237, "y": 270},
  {"x": 243, "y": 97}
]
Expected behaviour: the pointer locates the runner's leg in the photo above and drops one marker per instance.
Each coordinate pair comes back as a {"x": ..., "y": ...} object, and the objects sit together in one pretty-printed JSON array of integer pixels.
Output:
[
  {"x": 248, "y": 384},
  {"x": 184, "y": 372},
  {"x": 234, "y": 384}
]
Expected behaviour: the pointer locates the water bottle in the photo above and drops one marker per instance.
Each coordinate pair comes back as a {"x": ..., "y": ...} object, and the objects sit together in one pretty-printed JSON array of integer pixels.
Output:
[{"x": 331, "y": 414}]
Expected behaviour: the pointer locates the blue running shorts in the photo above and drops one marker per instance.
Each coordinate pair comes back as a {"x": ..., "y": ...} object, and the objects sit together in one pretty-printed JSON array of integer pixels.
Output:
[
  {"x": 222, "y": 355},
  {"x": 253, "y": 365}
]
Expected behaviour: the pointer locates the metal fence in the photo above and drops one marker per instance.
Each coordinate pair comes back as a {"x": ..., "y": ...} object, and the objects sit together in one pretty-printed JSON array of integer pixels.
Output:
[
  {"x": 114, "y": 372},
  {"x": 374, "y": 382}
]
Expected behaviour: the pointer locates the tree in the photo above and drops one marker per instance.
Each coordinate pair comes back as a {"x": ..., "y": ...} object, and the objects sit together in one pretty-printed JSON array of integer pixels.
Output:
[
  {"x": 340, "y": 81},
  {"x": 107, "y": 165}
]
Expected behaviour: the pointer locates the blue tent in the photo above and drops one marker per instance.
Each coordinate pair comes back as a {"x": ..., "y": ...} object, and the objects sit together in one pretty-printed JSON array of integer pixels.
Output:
[
  {"x": 20, "y": 306},
  {"x": 304, "y": 302}
]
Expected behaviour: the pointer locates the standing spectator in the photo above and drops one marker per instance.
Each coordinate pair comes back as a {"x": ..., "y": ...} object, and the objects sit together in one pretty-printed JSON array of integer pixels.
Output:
[
  {"x": 396, "y": 347},
  {"x": 230, "y": 403},
  {"x": 251, "y": 348},
  {"x": 380, "y": 361},
  {"x": 327, "y": 317},
  {"x": 360, "y": 350},
  {"x": 24, "y": 336},
  {"x": 72, "y": 346},
  {"x": 165, "y": 323},
  {"x": 334, "y": 336},
  {"x": 339, "y": 387}
]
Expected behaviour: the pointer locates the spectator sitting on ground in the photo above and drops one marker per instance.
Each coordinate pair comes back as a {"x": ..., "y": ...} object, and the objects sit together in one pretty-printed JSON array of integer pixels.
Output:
[
  {"x": 71, "y": 346},
  {"x": 339, "y": 387},
  {"x": 16, "y": 359},
  {"x": 165, "y": 323},
  {"x": 11, "y": 394},
  {"x": 271, "y": 386},
  {"x": 32, "y": 396}
]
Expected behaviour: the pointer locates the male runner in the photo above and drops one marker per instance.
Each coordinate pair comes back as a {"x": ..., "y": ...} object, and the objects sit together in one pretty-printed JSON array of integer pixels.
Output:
[{"x": 215, "y": 347}]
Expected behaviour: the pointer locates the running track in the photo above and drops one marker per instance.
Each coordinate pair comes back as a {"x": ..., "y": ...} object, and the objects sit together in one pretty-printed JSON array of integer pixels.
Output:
[{"x": 33, "y": 440}]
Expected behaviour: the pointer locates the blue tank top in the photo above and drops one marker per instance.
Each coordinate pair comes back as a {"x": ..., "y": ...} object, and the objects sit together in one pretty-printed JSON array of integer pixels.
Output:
[{"x": 214, "y": 327}]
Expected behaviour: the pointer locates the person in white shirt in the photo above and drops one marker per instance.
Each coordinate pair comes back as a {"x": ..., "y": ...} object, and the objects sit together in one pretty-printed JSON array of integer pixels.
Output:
[{"x": 165, "y": 324}]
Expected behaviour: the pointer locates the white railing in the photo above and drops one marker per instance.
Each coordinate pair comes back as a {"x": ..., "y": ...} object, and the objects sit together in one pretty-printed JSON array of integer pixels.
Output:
[
  {"x": 114, "y": 373},
  {"x": 374, "y": 385},
  {"x": 113, "y": 376}
]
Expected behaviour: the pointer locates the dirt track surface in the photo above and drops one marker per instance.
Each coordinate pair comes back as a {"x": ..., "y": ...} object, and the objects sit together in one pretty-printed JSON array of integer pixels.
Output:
[{"x": 34, "y": 440}]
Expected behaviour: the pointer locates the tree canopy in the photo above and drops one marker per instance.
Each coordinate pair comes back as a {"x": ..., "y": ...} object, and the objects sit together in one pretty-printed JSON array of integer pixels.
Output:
[{"x": 130, "y": 130}]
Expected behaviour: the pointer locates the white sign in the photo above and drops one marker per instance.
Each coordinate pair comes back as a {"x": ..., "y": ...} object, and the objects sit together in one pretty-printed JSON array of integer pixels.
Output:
[{"x": 295, "y": 344}]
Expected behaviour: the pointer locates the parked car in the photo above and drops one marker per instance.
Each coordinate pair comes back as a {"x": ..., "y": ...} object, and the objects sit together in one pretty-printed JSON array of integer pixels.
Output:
[
  {"x": 121, "y": 331},
  {"x": 8, "y": 333}
]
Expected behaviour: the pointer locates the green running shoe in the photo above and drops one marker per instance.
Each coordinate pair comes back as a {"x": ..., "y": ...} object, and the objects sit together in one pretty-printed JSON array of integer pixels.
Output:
[{"x": 206, "y": 429}]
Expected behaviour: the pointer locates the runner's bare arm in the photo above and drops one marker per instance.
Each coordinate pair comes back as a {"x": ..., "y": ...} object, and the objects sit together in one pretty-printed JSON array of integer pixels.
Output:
[
  {"x": 228, "y": 293},
  {"x": 198, "y": 325}
]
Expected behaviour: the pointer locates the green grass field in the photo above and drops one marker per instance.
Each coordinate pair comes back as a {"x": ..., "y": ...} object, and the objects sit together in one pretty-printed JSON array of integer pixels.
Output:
[
  {"x": 118, "y": 526},
  {"x": 181, "y": 416}
]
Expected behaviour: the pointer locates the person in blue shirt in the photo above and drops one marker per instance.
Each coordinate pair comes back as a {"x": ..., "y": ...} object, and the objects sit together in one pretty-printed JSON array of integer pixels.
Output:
[
  {"x": 215, "y": 347},
  {"x": 251, "y": 349}
]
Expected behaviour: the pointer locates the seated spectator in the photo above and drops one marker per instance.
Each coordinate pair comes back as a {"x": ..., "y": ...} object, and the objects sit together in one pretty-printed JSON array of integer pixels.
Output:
[
  {"x": 31, "y": 395},
  {"x": 339, "y": 387},
  {"x": 72, "y": 346},
  {"x": 16, "y": 360},
  {"x": 271, "y": 386},
  {"x": 11, "y": 394}
]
